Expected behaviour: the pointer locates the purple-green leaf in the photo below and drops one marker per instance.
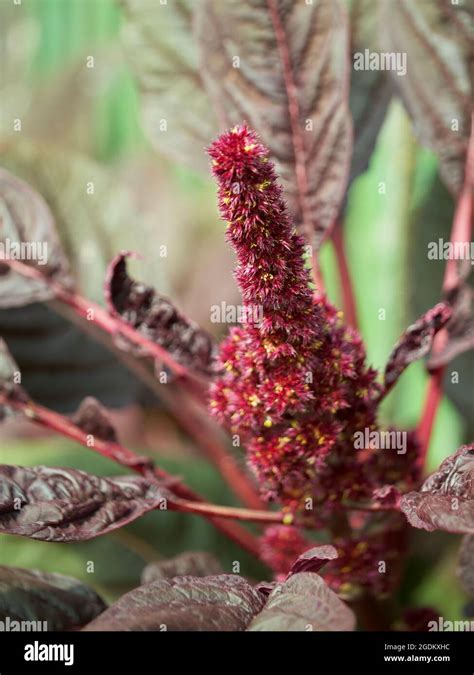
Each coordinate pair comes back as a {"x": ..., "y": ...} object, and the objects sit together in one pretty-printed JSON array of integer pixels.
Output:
[
  {"x": 415, "y": 342},
  {"x": 437, "y": 89},
  {"x": 27, "y": 235},
  {"x": 282, "y": 67},
  {"x": 216, "y": 603},
  {"x": 60, "y": 602},
  {"x": 313, "y": 559},
  {"x": 159, "y": 44},
  {"x": 303, "y": 603},
  {"x": 10, "y": 378},
  {"x": 191, "y": 563},
  {"x": 156, "y": 318},
  {"x": 446, "y": 498},
  {"x": 460, "y": 327},
  {"x": 371, "y": 90},
  {"x": 68, "y": 505}
]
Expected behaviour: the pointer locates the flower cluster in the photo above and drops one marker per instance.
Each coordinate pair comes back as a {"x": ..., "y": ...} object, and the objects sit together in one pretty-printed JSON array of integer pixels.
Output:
[
  {"x": 296, "y": 385},
  {"x": 297, "y": 389}
]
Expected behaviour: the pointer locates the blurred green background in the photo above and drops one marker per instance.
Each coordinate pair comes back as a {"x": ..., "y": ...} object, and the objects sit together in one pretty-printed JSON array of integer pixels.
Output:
[{"x": 145, "y": 200}]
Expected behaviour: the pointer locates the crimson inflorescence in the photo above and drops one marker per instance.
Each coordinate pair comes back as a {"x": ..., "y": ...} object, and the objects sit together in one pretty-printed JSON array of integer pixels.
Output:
[{"x": 295, "y": 384}]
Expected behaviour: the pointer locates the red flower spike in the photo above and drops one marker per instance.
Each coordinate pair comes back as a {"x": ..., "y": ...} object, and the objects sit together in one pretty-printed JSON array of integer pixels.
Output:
[{"x": 296, "y": 383}]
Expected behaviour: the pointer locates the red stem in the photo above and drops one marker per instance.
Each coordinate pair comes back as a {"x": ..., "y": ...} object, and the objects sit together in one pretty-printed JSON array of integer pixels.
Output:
[
  {"x": 198, "y": 427},
  {"x": 113, "y": 325},
  {"x": 461, "y": 232},
  {"x": 348, "y": 299},
  {"x": 214, "y": 510},
  {"x": 186, "y": 499},
  {"x": 434, "y": 396}
]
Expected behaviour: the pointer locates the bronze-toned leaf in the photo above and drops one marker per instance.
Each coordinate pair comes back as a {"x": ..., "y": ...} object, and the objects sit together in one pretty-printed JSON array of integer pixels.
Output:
[
  {"x": 282, "y": 67},
  {"x": 436, "y": 37},
  {"x": 371, "y": 90},
  {"x": 304, "y": 603},
  {"x": 27, "y": 235},
  {"x": 191, "y": 563},
  {"x": 460, "y": 327},
  {"x": 68, "y": 505},
  {"x": 415, "y": 342},
  {"x": 155, "y": 317},
  {"x": 224, "y": 602},
  {"x": 177, "y": 114},
  {"x": 446, "y": 498},
  {"x": 59, "y": 602}
]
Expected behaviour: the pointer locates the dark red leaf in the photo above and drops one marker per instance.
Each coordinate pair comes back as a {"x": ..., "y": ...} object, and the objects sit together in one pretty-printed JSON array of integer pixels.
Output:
[
  {"x": 265, "y": 587},
  {"x": 416, "y": 342},
  {"x": 217, "y": 603},
  {"x": 25, "y": 219},
  {"x": 283, "y": 67},
  {"x": 93, "y": 419},
  {"x": 303, "y": 603},
  {"x": 159, "y": 44},
  {"x": 313, "y": 559},
  {"x": 371, "y": 90},
  {"x": 155, "y": 317},
  {"x": 460, "y": 327},
  {"x": 31, "y": 595},
  {"x": 446, "y": 498},
  {"x": 191, "y": 563},
  {"x": 437, "y": 87},
  {"x": 10, "y": 378},
  {"x": 66, "y": 505}
]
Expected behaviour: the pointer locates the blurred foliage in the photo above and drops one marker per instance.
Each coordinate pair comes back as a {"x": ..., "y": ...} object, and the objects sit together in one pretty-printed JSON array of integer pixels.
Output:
[{"x": 151, "y": 202}]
